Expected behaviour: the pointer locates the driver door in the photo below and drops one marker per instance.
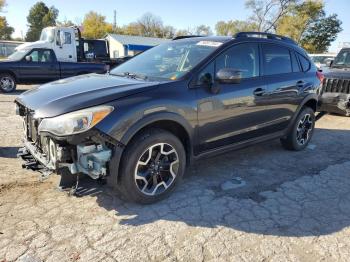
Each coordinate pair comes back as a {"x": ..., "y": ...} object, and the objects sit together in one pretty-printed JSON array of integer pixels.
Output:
[{"x": 42, "y": 66}]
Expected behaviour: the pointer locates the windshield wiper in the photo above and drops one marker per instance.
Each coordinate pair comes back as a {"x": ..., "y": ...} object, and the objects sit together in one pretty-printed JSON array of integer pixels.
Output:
[{"x": 132, "y": 75}]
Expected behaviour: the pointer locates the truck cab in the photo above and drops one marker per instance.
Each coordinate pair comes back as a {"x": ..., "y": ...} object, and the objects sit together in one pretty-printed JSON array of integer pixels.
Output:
[{"x": 61, "y": 40}]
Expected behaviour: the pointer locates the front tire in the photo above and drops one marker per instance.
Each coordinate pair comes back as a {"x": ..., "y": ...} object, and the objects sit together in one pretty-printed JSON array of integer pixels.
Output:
[
  {"x": 152, "y": 165},
  {"x": 301, "y": 132},
  {"x": 7, "y": 83}
]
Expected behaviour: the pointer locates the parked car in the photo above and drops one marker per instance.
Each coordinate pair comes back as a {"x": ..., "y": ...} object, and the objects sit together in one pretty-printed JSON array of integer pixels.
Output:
[
  {"x": 40, "y": 65},
  {"x": 142, "y": 124},
  {"x": 322, "y": 61},
  {"x": 336, "y": 86}
]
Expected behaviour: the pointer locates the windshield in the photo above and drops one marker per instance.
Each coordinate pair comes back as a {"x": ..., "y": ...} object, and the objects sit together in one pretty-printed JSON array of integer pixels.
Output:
[
  {"x": 18, "y": 55},
  {"x": 168, "y": 61},
  {"x": 47, "y": 35},
  {"x": 342, "y": 59},
  {"x": 321, "y": 59}
]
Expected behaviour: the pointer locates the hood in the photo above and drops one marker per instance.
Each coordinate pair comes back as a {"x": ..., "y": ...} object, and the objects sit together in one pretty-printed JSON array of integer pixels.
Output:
[
  {"x": 31, "y": 45},
  {"x": 80, "y": 92},
  {"x": 338, "y": 73}
]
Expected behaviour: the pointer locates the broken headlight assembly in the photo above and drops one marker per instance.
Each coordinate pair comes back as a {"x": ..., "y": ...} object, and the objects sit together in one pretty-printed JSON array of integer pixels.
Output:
[{"x": 74, "y": 122}]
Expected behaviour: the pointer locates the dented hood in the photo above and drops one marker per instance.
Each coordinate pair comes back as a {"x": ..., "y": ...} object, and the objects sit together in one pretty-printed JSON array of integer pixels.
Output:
[{"x": 80, "y": 92}]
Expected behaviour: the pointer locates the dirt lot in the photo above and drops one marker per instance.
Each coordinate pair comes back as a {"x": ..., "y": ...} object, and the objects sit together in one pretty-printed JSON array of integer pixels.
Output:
[{"x": 258, "y": 204}]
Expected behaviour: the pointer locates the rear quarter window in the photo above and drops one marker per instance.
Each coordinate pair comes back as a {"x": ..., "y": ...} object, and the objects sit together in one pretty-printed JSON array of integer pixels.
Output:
[{"x": 305, "y": 63}]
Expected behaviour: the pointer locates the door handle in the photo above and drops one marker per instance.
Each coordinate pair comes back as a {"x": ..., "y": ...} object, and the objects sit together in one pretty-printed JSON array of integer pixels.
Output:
[
  {"x": 300, "y": 84},
  {"x": 259, "y": 91}
]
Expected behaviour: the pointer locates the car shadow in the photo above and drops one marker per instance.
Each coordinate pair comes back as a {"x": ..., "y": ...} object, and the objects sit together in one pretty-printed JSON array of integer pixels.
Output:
[
  {"x": 8, "y": 152},
  {"x": 262, "y": 190}
]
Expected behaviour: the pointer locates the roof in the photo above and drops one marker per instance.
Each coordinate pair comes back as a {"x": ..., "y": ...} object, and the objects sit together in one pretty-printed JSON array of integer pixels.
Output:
[
  {"x": 222, "y": 39},
  {"x": 137, "y": 40}
]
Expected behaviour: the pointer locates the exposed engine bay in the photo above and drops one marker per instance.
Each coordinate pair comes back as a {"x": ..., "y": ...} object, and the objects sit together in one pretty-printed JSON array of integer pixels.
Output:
[{"x": 89, "y": 154}]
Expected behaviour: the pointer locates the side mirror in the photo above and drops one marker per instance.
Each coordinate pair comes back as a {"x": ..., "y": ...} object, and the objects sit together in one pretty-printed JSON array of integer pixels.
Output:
[
  {"x": 207, "y": 80},
  {"x": 329, "y": 62},
  {"x": 28, "y": 58},
  {"x": 229, "y": 76}
]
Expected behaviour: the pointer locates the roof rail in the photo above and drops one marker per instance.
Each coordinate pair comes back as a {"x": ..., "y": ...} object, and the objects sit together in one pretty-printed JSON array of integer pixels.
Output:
[
  {"x": 185, "y": 36},
  {"x": 265, "y": 35}
]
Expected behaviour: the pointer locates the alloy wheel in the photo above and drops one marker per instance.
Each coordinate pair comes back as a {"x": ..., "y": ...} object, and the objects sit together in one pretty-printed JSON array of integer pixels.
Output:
[
  {"x": 7, "y": 83},
  {"x": 156, "y": 169},
  {"x": 304, "y": 129}
]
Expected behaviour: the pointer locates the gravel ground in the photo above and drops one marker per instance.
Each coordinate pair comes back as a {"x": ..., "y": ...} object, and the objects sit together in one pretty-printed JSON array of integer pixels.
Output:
[{"x": 258, "y": 204}]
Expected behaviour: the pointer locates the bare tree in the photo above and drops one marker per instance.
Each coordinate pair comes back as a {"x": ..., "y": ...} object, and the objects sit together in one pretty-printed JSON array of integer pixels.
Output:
[
  {"x": 150, "y": 25},
  {"x": 267, "y": 13}
]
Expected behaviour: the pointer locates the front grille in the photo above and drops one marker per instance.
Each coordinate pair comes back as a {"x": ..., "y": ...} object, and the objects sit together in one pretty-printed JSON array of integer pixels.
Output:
[{"x": 332, "y": 85}]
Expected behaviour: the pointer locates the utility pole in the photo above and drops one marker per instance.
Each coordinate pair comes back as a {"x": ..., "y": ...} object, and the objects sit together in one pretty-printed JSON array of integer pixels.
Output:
[{"x": 115, "y": 20}]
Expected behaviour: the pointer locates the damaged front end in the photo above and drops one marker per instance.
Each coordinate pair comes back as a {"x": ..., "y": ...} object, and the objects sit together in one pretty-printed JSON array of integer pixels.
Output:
[
  {"x": 335, "y": 96},
  {"x": 87, "y": 152}
]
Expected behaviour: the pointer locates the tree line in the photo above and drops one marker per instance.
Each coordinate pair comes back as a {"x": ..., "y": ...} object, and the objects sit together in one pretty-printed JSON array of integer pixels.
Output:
[{"x": 305, "y": 21}]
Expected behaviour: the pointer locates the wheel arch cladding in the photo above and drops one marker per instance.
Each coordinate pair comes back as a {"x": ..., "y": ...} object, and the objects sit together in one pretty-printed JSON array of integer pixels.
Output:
[
  {"x": 312, "y": 103},
  {"x": 169, "y": 125}
]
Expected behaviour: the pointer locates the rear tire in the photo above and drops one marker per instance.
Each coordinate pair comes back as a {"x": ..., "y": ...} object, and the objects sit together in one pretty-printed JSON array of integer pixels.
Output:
[
  {"x": 301, "y": 132},
  {"x": 152, "y": 165},
  {"x": 7, "y": 83}
]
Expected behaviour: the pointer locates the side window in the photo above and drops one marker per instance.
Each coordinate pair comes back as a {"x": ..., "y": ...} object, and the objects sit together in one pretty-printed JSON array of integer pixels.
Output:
[
  {"x": 276, "y": 60},
  {"x": 42, "y": 56},
  {"x": 295, "y": 63},
  {"x": 206, "y": 75},
  {"x": 244, "y": 57},
  {"x": 67, "y": 38},
  {"x": 305, "y": 63},
  {"x": 35, "y": 56}
]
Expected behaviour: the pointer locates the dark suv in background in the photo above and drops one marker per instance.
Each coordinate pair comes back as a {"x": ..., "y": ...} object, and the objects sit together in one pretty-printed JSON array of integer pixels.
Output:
[{"x": 140, "y": 125}]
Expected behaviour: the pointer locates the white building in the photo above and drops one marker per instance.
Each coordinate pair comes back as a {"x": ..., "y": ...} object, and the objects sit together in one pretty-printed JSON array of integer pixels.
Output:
[{"x": 127, "y": 45}]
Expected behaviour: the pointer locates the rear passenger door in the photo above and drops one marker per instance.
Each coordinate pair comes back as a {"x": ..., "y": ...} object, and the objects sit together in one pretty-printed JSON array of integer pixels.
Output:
[{"x": 285, "y": 78}]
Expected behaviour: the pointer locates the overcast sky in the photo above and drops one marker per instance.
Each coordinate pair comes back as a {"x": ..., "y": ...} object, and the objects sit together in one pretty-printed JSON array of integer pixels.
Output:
[{"x": 181, "y": 14}]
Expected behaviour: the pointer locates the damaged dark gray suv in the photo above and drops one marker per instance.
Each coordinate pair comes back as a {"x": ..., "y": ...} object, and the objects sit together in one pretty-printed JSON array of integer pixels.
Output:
[{"x": 140, "y": 125}]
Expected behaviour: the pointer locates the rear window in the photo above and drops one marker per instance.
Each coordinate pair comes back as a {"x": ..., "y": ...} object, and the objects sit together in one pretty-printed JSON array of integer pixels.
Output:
[
  {"x": 305, "y": 63},
  {"x": 276, "y": 60}
]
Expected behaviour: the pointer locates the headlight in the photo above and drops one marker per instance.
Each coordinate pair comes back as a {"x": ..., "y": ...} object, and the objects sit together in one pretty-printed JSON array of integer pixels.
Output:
[{"x": 75, "y": 122}]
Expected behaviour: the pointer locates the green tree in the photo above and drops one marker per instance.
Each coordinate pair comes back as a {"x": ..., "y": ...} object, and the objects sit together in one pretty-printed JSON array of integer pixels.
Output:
[
  {"x": 5, "y": 30},
  {"x": 299, "y": 19},
  {"x": 309, "y": 26},
  {"x": 232, "y": 27},
  {"x": 40, "y": 16},
  {"x": 321, "y": 34},
  {"x": 95, "y": 26}
]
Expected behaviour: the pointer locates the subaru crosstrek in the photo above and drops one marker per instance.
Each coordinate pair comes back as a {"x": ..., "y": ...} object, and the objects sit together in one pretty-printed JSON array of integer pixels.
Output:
[{"x": 140, "y": 125}]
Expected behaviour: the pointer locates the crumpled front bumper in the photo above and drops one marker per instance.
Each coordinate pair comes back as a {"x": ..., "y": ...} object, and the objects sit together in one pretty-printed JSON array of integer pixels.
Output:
[{"x": 338, "y": 103}]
